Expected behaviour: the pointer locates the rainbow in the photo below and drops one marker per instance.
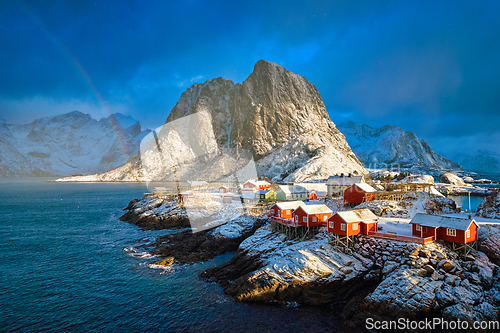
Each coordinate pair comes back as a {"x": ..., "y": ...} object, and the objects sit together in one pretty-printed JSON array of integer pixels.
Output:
[{"x": 81, "y": 72}]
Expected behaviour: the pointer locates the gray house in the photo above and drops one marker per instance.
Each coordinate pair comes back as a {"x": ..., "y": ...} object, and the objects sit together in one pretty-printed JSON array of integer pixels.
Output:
[
  {"x": 290, "y": 192},
  {"x": 336, "y": 185}
]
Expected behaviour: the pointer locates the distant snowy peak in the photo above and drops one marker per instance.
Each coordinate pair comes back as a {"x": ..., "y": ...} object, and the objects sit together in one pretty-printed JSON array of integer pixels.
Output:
[
  {"x": 390, "y": 145},
  {"x": 277, "y": 116},
  {"x": 66, "y": 144},
  {"x": 479, "y": 161}
]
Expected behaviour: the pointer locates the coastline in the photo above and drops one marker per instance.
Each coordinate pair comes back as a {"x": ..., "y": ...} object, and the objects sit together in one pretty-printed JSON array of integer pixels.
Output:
[{"x": 378, "y": 273}]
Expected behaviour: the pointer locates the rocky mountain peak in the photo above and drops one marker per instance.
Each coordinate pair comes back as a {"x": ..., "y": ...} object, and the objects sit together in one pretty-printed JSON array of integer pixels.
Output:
[{"x": 276, "y": 115}]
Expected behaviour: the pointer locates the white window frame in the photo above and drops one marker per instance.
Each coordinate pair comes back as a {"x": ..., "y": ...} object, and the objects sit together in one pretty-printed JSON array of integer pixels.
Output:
[
  {"x": 342, "y": 226},
  {"x": 331, "y": 224},
  {"x": 296, "y": 218},
  {"x": 354, "y": 226},
  {"x": 467, "y": 233},
  {"x": 315, "y": 219},
  {"x": 304, "y": 219},
  {"x": 419, "y": 227},
  {"x": 451, "y": 232},
  {"x": 325, "y": 217}
]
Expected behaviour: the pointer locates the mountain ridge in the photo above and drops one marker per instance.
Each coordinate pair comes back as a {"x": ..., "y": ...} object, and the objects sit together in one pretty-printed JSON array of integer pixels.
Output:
[
  {"x": 66, "y": 144},
  {"x": 277, "y": 116},
  {"x": 390, "y": 145}
]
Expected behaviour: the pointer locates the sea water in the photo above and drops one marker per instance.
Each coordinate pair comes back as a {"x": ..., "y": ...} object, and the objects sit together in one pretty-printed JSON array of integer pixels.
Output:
[{"x": 68, "y": 264}]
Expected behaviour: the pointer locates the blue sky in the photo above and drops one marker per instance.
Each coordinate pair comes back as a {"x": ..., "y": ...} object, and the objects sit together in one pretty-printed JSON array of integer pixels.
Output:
[{"x": 429, "y": 67}]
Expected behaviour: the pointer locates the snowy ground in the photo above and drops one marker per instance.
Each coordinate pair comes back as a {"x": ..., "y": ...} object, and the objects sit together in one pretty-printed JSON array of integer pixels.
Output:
[{"x": 395, "y": 225}]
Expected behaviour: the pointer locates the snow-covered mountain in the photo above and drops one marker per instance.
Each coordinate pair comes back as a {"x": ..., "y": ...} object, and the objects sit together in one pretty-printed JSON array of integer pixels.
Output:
[
  {"x": 277, "y": 116},
  {"x": 389, "y": 145},
  {"x": 67, "y": 144},
  {"x": 483, "y": 161}
]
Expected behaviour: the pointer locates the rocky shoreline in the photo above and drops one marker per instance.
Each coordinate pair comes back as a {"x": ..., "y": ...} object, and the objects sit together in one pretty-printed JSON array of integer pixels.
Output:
[{"x": 378, "y": 278}]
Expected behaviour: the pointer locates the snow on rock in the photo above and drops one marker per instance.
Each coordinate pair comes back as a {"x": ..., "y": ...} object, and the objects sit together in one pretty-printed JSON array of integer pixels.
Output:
[
  {"x": 431, "y": 287},
  {"x": 451, "y": 178},
  {"x": 309, "y": 271},
  {"x": 489, "y": 241},
  {"x": 490, "y": 207}
]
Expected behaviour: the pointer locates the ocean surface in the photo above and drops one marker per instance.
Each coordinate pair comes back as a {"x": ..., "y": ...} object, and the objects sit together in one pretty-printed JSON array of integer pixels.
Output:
[
  {"x": 68, "y": 264},
  {"x": 463, "y": 200}
]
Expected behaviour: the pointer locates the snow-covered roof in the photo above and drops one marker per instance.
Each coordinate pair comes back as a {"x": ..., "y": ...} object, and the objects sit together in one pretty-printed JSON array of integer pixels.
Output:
[
  {"x": 357, "y": 215},
  {"x": 313, "y": 186},
  {"x": 436, "y": 221},
  {"x": 289, "y": 189},
  {"x": 258, "y": 182},
  {"x": 365, "y": 187},
  {"x": 344, "y": 181},
  {"x": 289, "y": 204},
  {"x": 316, "y": 209}
]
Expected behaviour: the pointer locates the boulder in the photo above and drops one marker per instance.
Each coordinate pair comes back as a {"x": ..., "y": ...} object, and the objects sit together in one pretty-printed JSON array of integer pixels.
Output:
[
  {"x": 446, "y": 265},
  {"x": 165, "y": 261},
  {"x": 451, "y": 178}
]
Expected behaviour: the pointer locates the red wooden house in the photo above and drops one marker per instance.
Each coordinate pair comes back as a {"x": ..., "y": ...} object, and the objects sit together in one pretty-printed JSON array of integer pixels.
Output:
[
  {"x": 353, "y": 222},
  {"x": 282, "y": 212},
  {"x": 185, "y": 195},
  {"x": 450, "y": 229},
  {"x": 227, "y": 189},
  {"x": 256, "y": 185},
  {"x": 316, "y": 195},
  {"x": 358, "y": 193},
  {"x": 312, "y": 215}
]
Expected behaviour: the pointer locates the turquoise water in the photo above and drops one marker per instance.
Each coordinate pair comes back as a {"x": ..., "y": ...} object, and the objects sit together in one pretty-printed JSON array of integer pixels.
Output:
[
  {"x": 463, "y": 201},
  {"x": 67, "y": 266}
]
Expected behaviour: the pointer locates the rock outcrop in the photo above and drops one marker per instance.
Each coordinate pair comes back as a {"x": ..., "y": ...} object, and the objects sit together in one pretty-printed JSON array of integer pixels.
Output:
[
  {"x": 489, "y": 241},
  {"x": 379, "y": 279},
  {"x": 490, "y": 207},
  {"x": 451, "y": 178}
]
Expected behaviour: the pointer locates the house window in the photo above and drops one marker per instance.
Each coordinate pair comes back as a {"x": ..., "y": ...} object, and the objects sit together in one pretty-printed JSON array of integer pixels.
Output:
[
  {"x": 419, "y": 228},
  {"x": 296, "y": 218},
  {"x": 468, "y": 234},
  {"x": 355, "y": 226},
  {"x": 331, "y": 225},
  {"x": 451, "y": 232},
  {"x": 314, "y": 219},
  {"x": 325, "y": 217},
  {"x": 342, "y": 226},
  {"x": 304, "y": 219}
]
